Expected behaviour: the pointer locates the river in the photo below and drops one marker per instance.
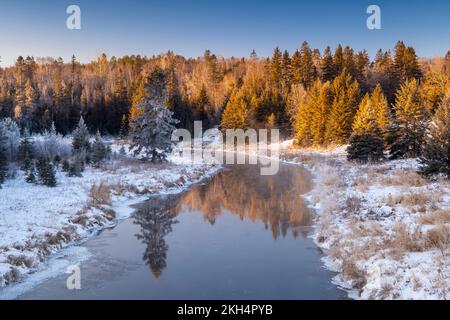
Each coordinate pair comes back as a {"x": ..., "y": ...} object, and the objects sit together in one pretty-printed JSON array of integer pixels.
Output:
[{"x": 239, "y": 235}]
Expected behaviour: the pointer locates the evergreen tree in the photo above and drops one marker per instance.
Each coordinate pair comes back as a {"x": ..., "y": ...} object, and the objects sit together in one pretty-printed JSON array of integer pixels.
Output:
[
  {"x": 99, "y": 151},
  {"x": 286, "y": 74},
  {"x": 81, "y": 138},
  {"x": 236, "y": 115},
  {"x": 307, "y": 68},
  {"x": 276, "y": 69},
  {"x": 326, "y": 66},
  {"x": 338, "y": 60},
  {"x": 31, "y": 174},
  {"x": 366, "y": 143},
  {"x": 410, "y": 122},
  {"x": 305, "y": 114},
  {"x": 435, "y": 157},
  {"x": 382, "y": 112},
  {"x": 321, "y": 113},
  {"x": 26, "y": 154},
  {"x": 346, "y": 96},
  {"x": 152, "y": 130},
  {"x": 46, "y": 172}
]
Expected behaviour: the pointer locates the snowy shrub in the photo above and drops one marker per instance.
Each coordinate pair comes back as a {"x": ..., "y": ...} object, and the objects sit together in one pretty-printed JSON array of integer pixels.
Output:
[
  {"x": 11, "y": 132},
  {"x": 50, "y": 144}
]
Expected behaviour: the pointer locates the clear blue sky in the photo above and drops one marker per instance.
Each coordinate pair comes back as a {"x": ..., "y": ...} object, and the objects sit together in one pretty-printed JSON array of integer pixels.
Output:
[{"x": 226, "y": 27}]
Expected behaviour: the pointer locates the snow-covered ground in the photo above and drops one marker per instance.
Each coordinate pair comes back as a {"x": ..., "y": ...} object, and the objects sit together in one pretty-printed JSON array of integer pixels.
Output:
[
  {"x": 383, "y": 228},
  {"x": 37, "y": 222}
]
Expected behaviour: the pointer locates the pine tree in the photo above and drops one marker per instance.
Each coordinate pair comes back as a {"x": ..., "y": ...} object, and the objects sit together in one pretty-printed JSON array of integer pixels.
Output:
[
  {"x": 321, "y": 113},
  {"x": 307, "y": 68},
  {"x": 305, "y": 114},
  {"x": 410, "y": 122},
  {"x": 382, "y": 112},
  {"x": 152, "y": 130},
  {"x": 99, "y": 151},
  {"x": 26, "y": 154},
  {"x": 366, "y": 143},
  {"x": 286, "y": 72},
  {"x": 81, "y": 138},
  {"x": 338, "y": 60},
  {"x": 276, "y": 69},
  {"x": 31, "y": 174},
  {"x": 236, "y": 114},
  {"x": 435, "y": 157},
  {"x": 346, "y": 96},
  {"x": 326, "y": 66},
  {"x": 46, "y": 172}
]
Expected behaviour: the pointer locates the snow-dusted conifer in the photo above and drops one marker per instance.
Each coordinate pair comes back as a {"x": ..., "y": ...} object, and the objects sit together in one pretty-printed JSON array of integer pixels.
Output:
[
  {"x": 80, "y": 141},
  {"x": 99, "y": 151},
  {"x": 151, "y": 130}
]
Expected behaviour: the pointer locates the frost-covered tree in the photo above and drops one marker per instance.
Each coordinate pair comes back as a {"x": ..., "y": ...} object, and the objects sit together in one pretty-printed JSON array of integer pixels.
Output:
[
  {"x": 11, "y": 131},
  {"x": 436, "y": 152},
  {"x": 152, "y": 128},
  {"x": 81, "y": 138},
  {"x": 99, "y": 150}
]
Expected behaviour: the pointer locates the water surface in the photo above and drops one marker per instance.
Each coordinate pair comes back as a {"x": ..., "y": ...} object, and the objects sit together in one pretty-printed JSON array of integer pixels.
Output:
[{"x": 238, "y": 236}]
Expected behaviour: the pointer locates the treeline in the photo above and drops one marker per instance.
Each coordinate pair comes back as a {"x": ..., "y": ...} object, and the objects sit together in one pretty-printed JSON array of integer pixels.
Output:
[{"x": 37, "y": 92}]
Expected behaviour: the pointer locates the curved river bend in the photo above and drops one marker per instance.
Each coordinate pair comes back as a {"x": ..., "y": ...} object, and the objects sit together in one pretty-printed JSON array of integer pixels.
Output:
[{"x": 238, "y": 236}]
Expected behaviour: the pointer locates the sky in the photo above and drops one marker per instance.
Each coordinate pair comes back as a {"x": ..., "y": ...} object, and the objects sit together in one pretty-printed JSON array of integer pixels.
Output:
[{"x": 226, "y": 27}]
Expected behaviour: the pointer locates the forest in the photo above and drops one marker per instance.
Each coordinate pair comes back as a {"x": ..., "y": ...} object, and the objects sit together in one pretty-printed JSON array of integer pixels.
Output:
[{"x": 380, "y": 106}]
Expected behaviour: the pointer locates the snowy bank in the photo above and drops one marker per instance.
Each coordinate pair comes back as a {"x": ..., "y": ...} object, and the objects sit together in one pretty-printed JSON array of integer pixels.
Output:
[
  {"x": 384, "y": 228},
  {"x": 37, "y": 222}
]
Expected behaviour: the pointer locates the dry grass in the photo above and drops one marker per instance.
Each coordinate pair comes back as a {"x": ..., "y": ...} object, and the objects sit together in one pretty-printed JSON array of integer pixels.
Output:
[
  {"x": 435, "y": 217},
  {"x": 100, "y": 194},
  {"x": 406, "y": 178},
  {"x": 438, "y": 237}
]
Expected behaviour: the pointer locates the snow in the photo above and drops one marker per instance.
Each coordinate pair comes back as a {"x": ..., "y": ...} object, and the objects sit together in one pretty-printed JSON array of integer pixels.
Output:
[
  {"x": 363, "y": 236},
  {"x": 37, "y": 222}
]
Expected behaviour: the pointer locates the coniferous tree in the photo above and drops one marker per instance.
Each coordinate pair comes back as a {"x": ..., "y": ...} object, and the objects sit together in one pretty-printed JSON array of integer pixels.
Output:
[
  {"x": 366, "y": 143},
  {"x": 411, "y": 118},
  {"x": 382, "y": 112},
  {"x": 46, "y": 172},
  {"x": 99, "y": 151},
  {"x": 236, "y": 114},
  {"x": 435, "y": 157},
  {"x": 81, "y": 138},
  {"x": 307, "y": 68},
  {"x": 152, "y": 130},
  {"x": 276, "y": 69},
  {"x": 346, "y": 96},
  {"x": 326, "y": 66},
  {"x": 26, "y": 154}
]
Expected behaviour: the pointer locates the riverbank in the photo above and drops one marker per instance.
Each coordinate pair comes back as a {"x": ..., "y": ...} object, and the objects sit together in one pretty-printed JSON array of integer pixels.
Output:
[
  {"x": 383, "y": 228},
  {"x": 37, "y": 222}
]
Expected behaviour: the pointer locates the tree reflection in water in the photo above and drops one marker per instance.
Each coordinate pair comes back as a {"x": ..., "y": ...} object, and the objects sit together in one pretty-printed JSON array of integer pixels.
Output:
[
  {"x": 274, "y": 200},
  {"x": 155, "y": 218}
]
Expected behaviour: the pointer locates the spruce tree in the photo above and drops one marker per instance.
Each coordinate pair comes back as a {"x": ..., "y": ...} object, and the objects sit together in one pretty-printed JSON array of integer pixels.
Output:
[
  {"x": 99, "y": 151},
  {"x": 435, "y": 157},
  {"x": 26, "y": 154},
  {"x": 80, "y": 141},
  {"x": 307, "y": 68},
  {"x": 236, "y": 115},
  {"x": 411, "y": 117},
  {"x": 382, "y": 112},
  {"x": 346, "y": 96},
  {"x": 46, "y": 172},
  {"x": 366, "y": 143},
  {"x": 152, "y": 130},
  {"x": 326, "y": 65}
]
